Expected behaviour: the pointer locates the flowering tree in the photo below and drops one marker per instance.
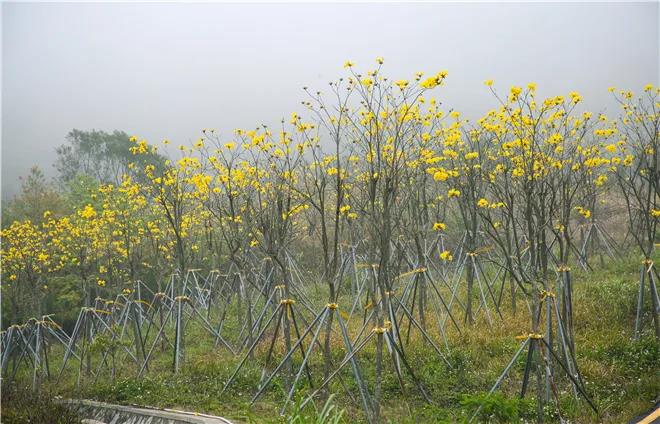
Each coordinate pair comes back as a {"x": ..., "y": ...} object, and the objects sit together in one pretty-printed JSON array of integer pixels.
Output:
[{"x": 639, "y": 181}]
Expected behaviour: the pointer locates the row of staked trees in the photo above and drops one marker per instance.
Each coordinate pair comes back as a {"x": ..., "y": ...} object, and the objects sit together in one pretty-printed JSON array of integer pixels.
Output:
[{"x": 370, "y": 160}]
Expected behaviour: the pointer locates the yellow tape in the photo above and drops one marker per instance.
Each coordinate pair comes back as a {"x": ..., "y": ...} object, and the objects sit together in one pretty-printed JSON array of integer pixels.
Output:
[
  {"x": 545, "y": 293},
  {"x": 414, "y": 271},
  {"x": 484, "y": 249},
  {"x": 145, "y": 302},
  {"x": 536, "y": 336},
  {"x": 49, "y": 324}
]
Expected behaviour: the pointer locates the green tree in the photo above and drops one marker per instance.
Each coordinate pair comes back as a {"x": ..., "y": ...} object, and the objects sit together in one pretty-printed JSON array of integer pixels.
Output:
[
  {"x": 36, "y": 197},
  {"x": 105, "y": 157}
]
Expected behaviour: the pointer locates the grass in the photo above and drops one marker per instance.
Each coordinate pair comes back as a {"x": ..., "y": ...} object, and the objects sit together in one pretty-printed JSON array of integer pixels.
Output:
[
  {"x": 21, "y": 405},
  {"x": 622, "y": 376}
]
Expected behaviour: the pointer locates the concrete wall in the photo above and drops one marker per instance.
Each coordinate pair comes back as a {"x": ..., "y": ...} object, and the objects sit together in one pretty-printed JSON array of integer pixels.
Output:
[{"x": 105, "y": 413}]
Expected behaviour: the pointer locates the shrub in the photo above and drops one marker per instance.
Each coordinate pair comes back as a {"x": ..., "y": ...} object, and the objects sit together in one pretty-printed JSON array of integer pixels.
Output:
[
  {"x": 21, "y": 405},
  {"x": 496, "y": 408}
]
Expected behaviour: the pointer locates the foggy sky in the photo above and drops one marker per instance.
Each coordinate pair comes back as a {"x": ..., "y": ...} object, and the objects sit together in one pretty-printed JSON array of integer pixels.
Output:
[{"x": 168, "y": 70}]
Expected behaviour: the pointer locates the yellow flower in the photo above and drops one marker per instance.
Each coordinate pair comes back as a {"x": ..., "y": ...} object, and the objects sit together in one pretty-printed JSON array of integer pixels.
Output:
[
  {"x": 402, "y": 84},
  {"x": 439, "y": 226},
  {"x": 515, "y": 93},
  {"x": 446, "y": 256},
  {"x": 600, "y": 181},
  {"x": 430, "y": 83},
  {"x": 586, "y": 213},
  {"x": 230, "y": 145},
  {"x": 648, "y": 87},
  {"x": 453, "y": 193},
  {"x": 440, "y": 175},
  {"x": 488, "y": 83},
  {"x": 101, "y": 283},
  {"x": 254, "y": 242},
  {"x": 655, "y": 213},
  {"x": 518, "y": 172},
  {"x": 380, "y": 60},
  {"x": 482, "y": 203},
  {"x": 348, "y": 64},
  {"x": 434, "y": 81},
  {"x": 88, "y": 212},
  {"x": 575, "y": 96}
]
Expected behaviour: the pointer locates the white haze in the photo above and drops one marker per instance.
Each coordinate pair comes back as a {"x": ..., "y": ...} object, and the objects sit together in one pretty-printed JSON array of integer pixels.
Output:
[{"x": 168, "y": 70}]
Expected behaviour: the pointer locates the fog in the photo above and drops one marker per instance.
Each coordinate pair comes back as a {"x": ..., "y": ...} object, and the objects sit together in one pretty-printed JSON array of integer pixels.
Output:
[{"x": 168, "y": 70}]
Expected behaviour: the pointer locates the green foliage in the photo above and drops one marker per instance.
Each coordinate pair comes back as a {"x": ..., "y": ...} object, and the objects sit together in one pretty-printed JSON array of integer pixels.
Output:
[
  {"x": 63, "y": 298},
  {"x": 127, "y": 390},
  {"x": 635, "y": 357},
  {"x": 496, "y": 408},
  {"x": 80, "y": 191},
  {"x": 20, "y": 406},
  {"x": 329, "y": 414},
  {"x": 105, "y": 343},
  {"x": 36, "y": 197},
  {"x": 104, "y": 157}
]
